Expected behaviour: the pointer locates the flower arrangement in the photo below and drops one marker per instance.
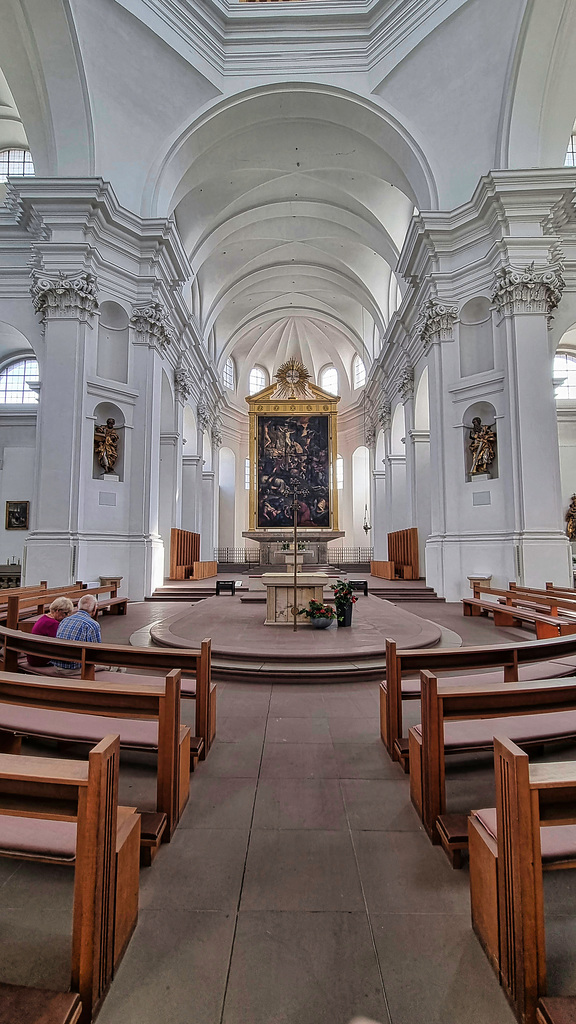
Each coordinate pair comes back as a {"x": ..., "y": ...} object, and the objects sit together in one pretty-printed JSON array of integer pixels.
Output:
[
  {"x": 343, "y": 597},
  {"x": 317, "y": 610}
]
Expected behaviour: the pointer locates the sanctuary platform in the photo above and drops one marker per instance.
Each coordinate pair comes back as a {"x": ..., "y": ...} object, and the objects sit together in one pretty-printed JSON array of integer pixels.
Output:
[{"x": 243, "y": 648}]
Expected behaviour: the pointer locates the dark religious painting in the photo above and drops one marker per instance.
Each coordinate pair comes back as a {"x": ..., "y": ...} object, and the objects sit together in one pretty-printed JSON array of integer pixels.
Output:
[{"x": 293, "y": 453}]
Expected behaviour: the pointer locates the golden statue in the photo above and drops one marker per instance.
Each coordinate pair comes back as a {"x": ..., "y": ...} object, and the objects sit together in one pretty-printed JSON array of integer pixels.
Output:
[
  {"x": 482, "y": 446},
  {"x": 570, "y": 518},
  {"x": 106, "y": 441}
]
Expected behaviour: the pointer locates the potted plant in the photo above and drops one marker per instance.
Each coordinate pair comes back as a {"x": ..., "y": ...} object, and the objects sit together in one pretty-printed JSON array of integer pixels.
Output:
[
  {"x": 320, "y": 615},
  {"x": 343, "y": 599}
]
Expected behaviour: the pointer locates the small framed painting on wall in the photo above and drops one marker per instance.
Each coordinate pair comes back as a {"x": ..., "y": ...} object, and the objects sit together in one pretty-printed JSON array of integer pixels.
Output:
[{"x": 17, "y": 515}]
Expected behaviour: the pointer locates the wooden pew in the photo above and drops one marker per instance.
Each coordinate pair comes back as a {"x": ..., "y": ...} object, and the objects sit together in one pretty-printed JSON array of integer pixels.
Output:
[
  {"x": 462, "y": 720},
  {"x": 38, "y": 604},
  {"x": 516, "y": 612},
  {"x": 196, "y": 663},
  {"x": 57, "y": 793},
  {"x": 146, "y": 717},
  {"x": 534, "y": 830},
  {"x": 530, "y": 659}
]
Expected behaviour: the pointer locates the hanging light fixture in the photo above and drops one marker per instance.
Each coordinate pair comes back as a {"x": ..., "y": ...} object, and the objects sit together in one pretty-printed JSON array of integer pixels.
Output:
[{"x": 366, "y": 527}]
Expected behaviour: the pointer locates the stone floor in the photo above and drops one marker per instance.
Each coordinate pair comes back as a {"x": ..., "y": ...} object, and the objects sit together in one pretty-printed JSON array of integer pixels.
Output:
[{"x": 299, "y": 887}]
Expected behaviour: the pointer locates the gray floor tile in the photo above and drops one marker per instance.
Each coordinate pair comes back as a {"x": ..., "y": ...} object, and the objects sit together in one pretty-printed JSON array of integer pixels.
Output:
[
  {"x": 320, "y": 969},
  {"x": 364, "y": 760},
  {"x": 299, "y": 761},
  {"x": 235, "y": 728},
  {"x": 232, "y": 760},
  {"x": 403, "y": 873},
  {"x": 174, "y": 970},
  {"x": 301, "y": 870},
  {"x": 380, "y": 804},
  {"x": 435, "y": 971},
  {"x": 297, "y": 705},
  {"x": 36, "y": 945},
  {"x": 201, "y": 869},
  {"x": 297, "y": 730},
  {"x": 299, "y": 803},
  {"x": 219, "y": 803},
  {"x": 352, "y": 730}
]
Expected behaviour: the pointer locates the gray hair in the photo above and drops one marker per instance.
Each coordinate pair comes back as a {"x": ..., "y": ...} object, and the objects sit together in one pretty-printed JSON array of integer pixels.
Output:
[
  {"x": 88, "y": 603},
  {"x": 62, "y": 604}
]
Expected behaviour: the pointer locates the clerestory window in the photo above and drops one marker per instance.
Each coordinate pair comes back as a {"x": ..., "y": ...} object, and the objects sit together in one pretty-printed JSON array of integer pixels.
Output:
[
  {"x": 16, "y": 163},
  {"x": 228, "y": 375},
  {"x": 329, "y": 380},
  {"x": 564, "y": 376},
  {"x": 358, "y": 373},
  {"x": 257, "y": 379},
  {"x": 14, "y": 380}
]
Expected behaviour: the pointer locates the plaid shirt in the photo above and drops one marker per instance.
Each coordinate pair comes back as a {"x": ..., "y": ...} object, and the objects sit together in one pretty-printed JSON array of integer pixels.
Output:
[{"x": 79, "y": 626}]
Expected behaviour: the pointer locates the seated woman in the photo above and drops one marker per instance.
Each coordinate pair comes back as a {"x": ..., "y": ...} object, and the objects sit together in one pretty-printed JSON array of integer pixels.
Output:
[{"x": 47, "y": 625}]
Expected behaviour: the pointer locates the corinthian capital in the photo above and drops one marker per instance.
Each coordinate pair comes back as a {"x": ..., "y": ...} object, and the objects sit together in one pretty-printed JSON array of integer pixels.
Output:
[
  {"x": 386, "y": 415},
  {"x": 203, "y": 415},
  {"x": 183, "y": 382},
  {"x": 216, "y": 434},
  {"x": 531, "y": 290},
  {"x": 64, "y": 296},
  {"x": 436, "y": 322},
  {"x": 406, "y": 384},
  {"x": 152, "y": 320}
]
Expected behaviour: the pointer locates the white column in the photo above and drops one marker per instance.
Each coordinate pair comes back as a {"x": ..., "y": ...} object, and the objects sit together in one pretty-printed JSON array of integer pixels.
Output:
[
  {"x": 191, "y": 464},
  {"x": 379, "y": 530}
]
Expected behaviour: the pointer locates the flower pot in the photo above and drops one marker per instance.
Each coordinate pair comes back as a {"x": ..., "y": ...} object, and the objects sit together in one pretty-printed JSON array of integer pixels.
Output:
[
  {"x": 320, "y": 623},
  {"x": 345, "y": 615}
]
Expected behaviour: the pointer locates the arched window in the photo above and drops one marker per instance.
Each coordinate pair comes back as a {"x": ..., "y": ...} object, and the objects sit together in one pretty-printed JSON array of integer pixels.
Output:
[
  {"x": 329, "y": 380},
  {"x": 564, "y": 376},
  {"x": 14, "y": 379},
  {"x": 570, "y": 160},
  {"x": 228, "y": 375},
  {"x": 257, "y": 379},
  {"x": 15, "y": 162},
  {"x": 358, "y": 373},
  {"x": 339, "y": 473}
]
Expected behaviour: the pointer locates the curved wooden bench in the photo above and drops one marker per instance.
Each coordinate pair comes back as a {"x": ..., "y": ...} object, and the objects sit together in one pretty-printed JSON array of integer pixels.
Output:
[
  {"x": 512, "y": 659},
  {"x": 196, "y": 663},
  {"x": 514, "y": 613}
]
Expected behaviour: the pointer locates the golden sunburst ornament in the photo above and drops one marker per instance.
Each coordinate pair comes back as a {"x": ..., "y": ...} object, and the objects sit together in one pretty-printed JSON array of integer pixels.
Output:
[{"x": 292, "y": 379}]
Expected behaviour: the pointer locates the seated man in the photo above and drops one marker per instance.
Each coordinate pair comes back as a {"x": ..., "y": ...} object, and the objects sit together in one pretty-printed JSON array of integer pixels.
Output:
[
  {"x": 80, "y": 626},
  {"x": 47, "y": 625}
]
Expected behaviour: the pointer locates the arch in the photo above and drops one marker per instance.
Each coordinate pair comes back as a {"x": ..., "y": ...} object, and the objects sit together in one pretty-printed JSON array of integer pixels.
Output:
[
  {"x": 113, "y": 342},
  {"x": 14, "y": 378},
  {"x": 190, "y": 431},
  {"x": 476, "y": 338},
  {"x": 166, "y": 405},
  {"x": 422, "y": 403},
  {"x": 360, "y": 492}
]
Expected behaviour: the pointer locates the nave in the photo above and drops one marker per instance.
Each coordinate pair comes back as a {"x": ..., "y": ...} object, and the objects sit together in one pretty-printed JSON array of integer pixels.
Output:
[{"x": 299, "y": 885}]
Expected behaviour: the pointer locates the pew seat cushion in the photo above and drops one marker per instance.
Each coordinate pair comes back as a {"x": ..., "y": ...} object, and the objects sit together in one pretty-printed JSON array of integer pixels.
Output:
[
  {"x": 77, "y": 728},
  {"x": 37, "y": 837},
  {"x": 38, "y": 1006},
  {"x": 540, "y": 670},
  {"x": 558, "y": 842},
  {"x": 478, "y": 734}
]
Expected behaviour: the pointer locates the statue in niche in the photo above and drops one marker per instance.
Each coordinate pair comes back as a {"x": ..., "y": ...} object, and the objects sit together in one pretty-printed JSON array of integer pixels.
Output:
[
  {"x": 570, "y": 518},
  {"x": 106, "y": 441},
  {"x": 482, "y": 446}
]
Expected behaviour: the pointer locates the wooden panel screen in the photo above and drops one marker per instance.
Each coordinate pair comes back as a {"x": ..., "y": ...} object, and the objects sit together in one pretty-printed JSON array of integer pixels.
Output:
[
  {"x": 184, "y": 551},
  {"x": 403, "y": 551}
]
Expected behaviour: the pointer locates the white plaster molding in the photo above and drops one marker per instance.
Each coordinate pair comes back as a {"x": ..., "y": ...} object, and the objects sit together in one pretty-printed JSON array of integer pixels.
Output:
[
  {"x": 419, "y": 436},
  {"x": 370, "y": 434},
  {"x": 216, "y": 433},
  {"x": 478, "y": 388},
  {"x": 64, "y": 297},
  {"x": 531, "y": 290},
  {"x": 436, "y": 322},
  {"x": 115, "y": 392},
  {"x": 386, "y": 415},
  {"x": 151, "y": 321},
  {"x": 203, "y": 414}
]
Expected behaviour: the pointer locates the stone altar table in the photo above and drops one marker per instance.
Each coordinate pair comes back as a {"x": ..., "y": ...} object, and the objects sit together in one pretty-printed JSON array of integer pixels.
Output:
[{"x": 280, "y": 594}]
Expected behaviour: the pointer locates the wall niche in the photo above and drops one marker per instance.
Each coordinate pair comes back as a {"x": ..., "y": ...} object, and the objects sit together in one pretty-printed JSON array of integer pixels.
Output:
[
  {"x": 475, "y": 444},
  {"x": 476, "y": 338},
  {"x": 113, "y": 342},
  {"x": 103, "y": 412}
]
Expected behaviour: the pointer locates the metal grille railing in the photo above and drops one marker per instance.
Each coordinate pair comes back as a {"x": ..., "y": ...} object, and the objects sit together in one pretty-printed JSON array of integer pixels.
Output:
[
  {"x": 349, "y": 556},
  {"x": 251, "y": 556}
]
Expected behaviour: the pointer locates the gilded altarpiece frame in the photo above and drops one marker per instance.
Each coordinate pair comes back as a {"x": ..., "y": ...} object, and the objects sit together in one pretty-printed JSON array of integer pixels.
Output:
[{"x": 293, "y": 443}]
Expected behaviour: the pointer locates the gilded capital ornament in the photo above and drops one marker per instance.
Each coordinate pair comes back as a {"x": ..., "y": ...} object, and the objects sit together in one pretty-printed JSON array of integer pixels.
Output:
[
  {"x": 65, "y": 296},
  {"x": 152, "y": 320},
  {"x": 436, "y": 322},
  {"x": 183, "y": 382},
  {"x": 531, "y": 290}
]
